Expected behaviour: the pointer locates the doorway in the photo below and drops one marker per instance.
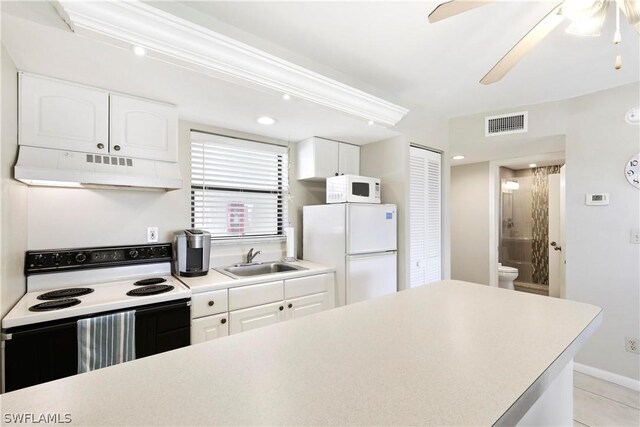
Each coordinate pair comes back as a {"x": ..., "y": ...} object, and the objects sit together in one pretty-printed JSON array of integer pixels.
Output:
[{"x": 528, "y": 223}]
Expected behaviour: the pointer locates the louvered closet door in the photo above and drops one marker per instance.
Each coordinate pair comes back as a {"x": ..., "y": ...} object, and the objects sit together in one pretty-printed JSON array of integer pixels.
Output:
[{"x": 425, "y": 219}]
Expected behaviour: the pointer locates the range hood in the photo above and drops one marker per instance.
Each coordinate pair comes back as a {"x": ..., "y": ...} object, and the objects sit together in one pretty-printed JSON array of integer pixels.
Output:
[{"x": 62, "y": 168}]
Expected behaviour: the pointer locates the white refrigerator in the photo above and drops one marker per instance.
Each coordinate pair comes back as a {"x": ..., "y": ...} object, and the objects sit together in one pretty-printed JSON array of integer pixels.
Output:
[{"x": 360, "y": 241}]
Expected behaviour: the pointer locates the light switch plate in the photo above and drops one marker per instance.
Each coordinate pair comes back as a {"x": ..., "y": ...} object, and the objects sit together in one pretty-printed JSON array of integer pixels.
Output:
[{"x": 596, "y": 199}]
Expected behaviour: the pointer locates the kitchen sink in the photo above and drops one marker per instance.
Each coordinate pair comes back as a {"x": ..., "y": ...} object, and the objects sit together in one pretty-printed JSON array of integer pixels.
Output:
[{"x": 237, "y": 271}]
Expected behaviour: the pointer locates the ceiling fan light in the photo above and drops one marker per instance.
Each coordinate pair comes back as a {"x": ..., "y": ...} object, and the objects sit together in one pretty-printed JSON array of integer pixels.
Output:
[
  {"x": 578, "y": 10},
  {"x": 618, "y": 63},
  {"x": 632, "y": 10},
  {"x": 616, "y": 37},
  {"x": 590, "y": 25}
]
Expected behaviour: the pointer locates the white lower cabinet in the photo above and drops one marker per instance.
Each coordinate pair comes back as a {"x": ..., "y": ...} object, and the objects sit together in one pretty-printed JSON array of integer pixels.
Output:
[
  {"x": 209, "y": 328},
  {"x": 262, "y": 304},
  {"x": 256, "y": 317}
]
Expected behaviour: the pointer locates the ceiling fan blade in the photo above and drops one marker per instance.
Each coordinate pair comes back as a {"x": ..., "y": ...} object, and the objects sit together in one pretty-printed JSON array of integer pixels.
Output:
[
  {"x": 631, "y": 8},
  {"x": 591, "y": 26},
  {"x": 528, "y": 42},
  {"x": 454, "y": 7}
]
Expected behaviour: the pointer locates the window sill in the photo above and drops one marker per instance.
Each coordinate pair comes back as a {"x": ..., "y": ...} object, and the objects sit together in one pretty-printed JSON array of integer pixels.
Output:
[{"x": 246, "y": 240}]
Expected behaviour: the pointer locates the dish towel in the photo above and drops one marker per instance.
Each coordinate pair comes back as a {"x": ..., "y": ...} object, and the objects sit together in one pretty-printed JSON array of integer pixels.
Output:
[{"x": 106, "y": 340}]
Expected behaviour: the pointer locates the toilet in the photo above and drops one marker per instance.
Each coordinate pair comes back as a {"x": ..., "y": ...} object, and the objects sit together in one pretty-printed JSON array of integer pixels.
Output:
[{"x": 506, "y": 276}]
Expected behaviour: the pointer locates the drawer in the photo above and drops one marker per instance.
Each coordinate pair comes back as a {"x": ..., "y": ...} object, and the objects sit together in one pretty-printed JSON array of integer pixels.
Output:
[
  {"x": 208, "y": 303},
  {"x": 249, "y": 296},
  {"x": 308, "y": 285}
]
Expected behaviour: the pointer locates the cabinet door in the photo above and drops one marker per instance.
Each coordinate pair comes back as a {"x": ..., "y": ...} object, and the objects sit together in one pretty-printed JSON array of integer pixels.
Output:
[
  {"x": 57, "y": 114},
  {"x": 310, "y": 304},
  {"x": 143, "y": 129},
  {"x": 255, "y": 317},
  {"x": 326, "y": 155},
  {"x": 209, "y": 328},
  {"x": 349, "y": 159}
]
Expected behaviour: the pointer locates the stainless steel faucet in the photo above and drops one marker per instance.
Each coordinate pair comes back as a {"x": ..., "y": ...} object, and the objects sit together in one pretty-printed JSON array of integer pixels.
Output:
[{"x": 251, "y": 255}]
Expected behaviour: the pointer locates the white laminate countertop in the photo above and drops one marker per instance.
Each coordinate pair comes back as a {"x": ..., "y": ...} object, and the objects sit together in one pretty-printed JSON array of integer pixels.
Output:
[
  {"x": 450, "y": 353},
  {"x": 215, "y": 280}
]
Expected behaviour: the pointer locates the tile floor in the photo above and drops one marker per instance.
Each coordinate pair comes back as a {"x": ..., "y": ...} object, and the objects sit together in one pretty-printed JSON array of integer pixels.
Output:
[{"x": 601, "y": 403}]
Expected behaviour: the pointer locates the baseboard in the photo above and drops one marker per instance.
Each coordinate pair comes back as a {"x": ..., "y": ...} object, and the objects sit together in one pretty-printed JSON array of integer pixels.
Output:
[{"x": 607, "y": 376}]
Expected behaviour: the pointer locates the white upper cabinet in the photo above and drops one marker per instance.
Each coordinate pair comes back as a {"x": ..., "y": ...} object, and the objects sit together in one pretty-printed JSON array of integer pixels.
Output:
[
  {"x": 143, "y": 129},
  {"x": 348, "y": 159},
  {"x": 56, "y": 114},
  {"x": 67, "y": 116},
  {"x": 320, "y": 158}
]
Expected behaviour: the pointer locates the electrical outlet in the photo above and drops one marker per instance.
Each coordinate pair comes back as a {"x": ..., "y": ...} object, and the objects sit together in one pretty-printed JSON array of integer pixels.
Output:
[
  {"x": 152, "y": 234},
  {"x": 635, "y": 236},
  {"x": 631, "y": 345}
]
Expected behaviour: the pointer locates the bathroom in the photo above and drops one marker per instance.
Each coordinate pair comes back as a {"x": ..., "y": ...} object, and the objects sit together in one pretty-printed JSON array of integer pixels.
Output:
[{"x": 530, "y": 249}]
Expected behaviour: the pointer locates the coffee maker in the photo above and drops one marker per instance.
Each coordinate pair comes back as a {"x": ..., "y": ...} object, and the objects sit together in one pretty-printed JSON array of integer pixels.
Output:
[{"x": 191, "y": 250}]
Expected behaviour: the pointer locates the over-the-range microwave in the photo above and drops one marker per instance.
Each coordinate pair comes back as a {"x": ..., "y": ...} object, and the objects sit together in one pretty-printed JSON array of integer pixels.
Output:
[{"x": 353, "y": 189}]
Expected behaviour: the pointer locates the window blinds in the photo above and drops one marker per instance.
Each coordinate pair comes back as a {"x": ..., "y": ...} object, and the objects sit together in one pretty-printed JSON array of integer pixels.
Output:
[{"x": 239, "y": 188}]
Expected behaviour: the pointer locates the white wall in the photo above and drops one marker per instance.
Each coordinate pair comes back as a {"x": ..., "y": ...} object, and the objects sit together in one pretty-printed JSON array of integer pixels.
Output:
[
  {"x": 389, "y": 161},
  {"x": 13, "y": 197},
  {"x": 470, "y": 204},
  {"x": 603, "y": 267}
]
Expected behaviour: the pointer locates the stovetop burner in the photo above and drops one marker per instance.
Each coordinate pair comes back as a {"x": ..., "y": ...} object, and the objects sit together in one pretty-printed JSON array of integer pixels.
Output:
[
  {"x": 65, "y": 293},
  {"x": 150, "y": 281},
  {"x": 150, "y": 290},
  {"x": 55, "y": 304}
]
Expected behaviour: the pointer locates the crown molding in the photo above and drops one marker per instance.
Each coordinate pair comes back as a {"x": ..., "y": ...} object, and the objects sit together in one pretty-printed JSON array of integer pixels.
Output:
[{"x": 181, "y": 42}]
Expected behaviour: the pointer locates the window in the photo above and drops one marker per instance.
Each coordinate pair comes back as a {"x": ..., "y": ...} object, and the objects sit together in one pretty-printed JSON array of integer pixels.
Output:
[{"x": 239, "y": 188}]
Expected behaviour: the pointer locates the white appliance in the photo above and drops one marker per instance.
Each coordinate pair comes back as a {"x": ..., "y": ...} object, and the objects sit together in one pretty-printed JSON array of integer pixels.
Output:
[
  {"x": 360, "y": 241},
  {"x": 353, "y": 189}
]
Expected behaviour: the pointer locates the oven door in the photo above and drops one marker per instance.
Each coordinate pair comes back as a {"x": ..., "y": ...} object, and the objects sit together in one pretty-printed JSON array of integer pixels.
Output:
[{"x": 35, "y": 354}]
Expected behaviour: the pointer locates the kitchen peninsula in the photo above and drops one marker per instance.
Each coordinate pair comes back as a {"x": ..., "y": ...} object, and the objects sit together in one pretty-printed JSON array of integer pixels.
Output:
[{"x": 450, "y": 353}]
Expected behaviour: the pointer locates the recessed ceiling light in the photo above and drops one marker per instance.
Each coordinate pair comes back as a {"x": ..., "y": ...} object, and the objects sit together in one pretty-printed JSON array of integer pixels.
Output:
[
  {"x": 633, "y": 116},
  {"x": 266, "y": 120},
  {"x": 139, "y": 50},
  {"x": 458, "y": 157},
  {"x": 370, "y": 122},
  {"x": 286, "y": 97},
  {"x": 532, "y": 165}
]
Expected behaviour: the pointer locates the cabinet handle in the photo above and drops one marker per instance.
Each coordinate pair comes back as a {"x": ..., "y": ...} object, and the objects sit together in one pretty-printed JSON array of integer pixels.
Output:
[
  {"x": 116, "y": 147},
  {"x": 223, "y": 321},
  {"x": 100, "y": 145},
  {"x": 211, "y": 303},
  {"x": 281, "y": 308},
  {"x": 290, "y": 305},
  {"x": 336, "y": 173}
]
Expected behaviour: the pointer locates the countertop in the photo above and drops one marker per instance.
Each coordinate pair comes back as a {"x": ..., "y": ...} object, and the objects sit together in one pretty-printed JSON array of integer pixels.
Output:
[
  {"x": 449, "y": 353},
  {"x": 215, "y": 280}
]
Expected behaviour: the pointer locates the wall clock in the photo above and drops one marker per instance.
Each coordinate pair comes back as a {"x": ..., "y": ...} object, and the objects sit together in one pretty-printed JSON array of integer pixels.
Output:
[{"x": 632, "y": 171}]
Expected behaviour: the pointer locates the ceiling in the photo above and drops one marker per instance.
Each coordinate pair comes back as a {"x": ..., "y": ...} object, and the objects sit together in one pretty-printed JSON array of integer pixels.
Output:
[
  {"x": 391, "y": 46},
  {"x": 385, "y": 48}
]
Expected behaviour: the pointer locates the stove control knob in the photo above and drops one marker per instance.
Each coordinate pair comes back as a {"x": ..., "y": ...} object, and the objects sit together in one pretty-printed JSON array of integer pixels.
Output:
[
  {"x": 152, "y": 252},
  {"x": 133, "y": 254},
  {"x": 163, "y": 251},
  {"x": 39, "y": 259},
  {"x": 81, "y": 257},
  {"x": 55, "y": 258}
]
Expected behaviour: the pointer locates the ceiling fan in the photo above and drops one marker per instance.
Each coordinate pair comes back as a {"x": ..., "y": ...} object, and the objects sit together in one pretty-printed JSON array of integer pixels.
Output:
[{"x": 586, "y": 16}]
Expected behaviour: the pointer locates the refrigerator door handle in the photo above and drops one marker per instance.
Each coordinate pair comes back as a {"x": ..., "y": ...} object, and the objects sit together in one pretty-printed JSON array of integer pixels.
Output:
[{"x": 371, "y": 255}]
